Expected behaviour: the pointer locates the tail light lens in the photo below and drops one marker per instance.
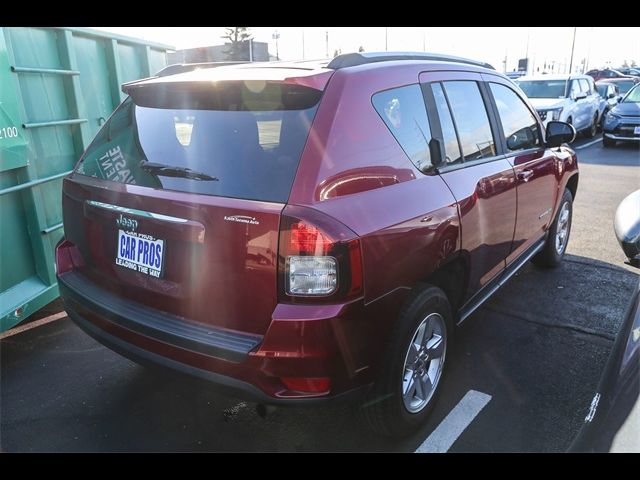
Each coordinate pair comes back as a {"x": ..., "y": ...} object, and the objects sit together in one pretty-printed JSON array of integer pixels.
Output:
[
  {"x": 68, "y": 257},
  {"x": 318, "y": 257}
]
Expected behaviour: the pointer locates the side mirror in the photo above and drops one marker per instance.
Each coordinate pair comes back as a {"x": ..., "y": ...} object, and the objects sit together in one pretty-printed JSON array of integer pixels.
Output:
[
  {"x": 558, "y": 133},
  {"x": 611, "y": 95},
  {"x": 523, "y": 138},
  {"x": 627, "y": 227},
  {"x": 435, "y": 149},
  {"x": 620, "y": 98}
]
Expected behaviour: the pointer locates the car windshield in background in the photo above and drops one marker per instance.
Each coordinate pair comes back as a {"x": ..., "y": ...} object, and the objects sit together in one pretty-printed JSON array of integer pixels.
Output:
[
  {"x": 544, "y": 88},
  {"x": 222, "y": 141},
  {"x": 633, "y": 96},
  {"x": 625, "y": 86}
]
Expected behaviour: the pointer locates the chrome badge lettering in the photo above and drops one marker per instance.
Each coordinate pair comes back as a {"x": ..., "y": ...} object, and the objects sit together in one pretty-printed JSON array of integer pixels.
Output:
[
  {"x": 242, "y": 219},
  {"x": 128, "y": 224}
]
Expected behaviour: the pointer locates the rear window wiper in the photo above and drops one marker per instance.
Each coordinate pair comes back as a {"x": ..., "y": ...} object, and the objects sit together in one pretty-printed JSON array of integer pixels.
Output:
[{"x": 171, "y": 171}]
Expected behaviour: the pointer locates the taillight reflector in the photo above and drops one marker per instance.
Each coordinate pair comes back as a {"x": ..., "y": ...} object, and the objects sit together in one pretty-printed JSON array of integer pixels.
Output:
[{"x": 308, "y": 385}]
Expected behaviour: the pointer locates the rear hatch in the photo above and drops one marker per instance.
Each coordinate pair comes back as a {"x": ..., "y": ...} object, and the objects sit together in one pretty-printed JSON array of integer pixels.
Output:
[{"x": 176, "y": 204}]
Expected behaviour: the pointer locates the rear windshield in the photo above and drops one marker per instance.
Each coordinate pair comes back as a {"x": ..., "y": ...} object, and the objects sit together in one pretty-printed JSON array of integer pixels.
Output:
[
  {"x": 241, "y": 140},
  {"x": 544, "y": 88}
]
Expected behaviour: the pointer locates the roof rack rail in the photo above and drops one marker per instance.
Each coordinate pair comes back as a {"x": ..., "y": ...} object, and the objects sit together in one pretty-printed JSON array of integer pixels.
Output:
[
  {"x": 189, "y": 67},
  {"x": 353, "y": 59}
]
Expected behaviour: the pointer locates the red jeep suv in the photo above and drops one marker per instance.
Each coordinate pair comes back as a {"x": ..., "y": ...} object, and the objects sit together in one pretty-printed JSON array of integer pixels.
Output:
[{"x": 307, "y": 231}]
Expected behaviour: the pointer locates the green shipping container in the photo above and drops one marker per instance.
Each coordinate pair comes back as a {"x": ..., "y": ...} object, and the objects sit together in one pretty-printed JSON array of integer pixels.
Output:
[{"x": 57, "y": 87}]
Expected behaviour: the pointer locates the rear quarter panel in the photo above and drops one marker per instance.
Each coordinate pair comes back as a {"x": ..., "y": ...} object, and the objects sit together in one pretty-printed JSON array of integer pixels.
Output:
[{"x": 354, "y": 170}]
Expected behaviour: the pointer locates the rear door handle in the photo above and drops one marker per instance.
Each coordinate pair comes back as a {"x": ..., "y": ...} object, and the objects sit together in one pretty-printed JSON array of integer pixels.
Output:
[{"x": 525, "y": 175}]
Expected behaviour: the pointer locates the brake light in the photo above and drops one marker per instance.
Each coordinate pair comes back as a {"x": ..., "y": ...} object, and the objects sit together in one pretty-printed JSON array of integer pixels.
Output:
[
  {"x": 309, "y": 240},
  {"x": 318, "y": 257}
]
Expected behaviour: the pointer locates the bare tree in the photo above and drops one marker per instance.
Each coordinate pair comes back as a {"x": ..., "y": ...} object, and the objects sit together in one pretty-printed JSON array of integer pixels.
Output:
[{"x": 237, "y": 38}]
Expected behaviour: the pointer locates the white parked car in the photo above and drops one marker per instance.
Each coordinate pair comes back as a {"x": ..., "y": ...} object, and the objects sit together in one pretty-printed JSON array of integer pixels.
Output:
[{"x": 567, "y": 98}]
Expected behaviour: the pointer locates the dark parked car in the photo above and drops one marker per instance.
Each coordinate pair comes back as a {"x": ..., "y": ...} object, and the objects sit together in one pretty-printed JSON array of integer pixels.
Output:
[
  {"x": 613, "y": 419},
  {"x": 606, "y": 74},
  {"x": 622, "y": 122},
  {"x": 609, "y": 97},
  {"x": 623, "y": 84},
  {"x": 630, "y": 71},
  {"x": 294, "y": 232}
]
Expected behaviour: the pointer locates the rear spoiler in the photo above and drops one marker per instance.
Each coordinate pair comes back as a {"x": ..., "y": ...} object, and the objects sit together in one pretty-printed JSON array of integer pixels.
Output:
[{"x": 176, "y": 68}]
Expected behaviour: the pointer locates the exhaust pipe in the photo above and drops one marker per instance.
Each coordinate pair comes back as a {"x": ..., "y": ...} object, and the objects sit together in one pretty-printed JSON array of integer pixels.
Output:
[{"x": 264, "y": 410}]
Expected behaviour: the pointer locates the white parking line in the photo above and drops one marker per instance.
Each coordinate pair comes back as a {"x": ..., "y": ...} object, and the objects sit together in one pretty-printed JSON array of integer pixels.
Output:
[
  {"x": 455, "y": 423},
  {"x": 592, "y": 142},
  {"x": 30, "y": 325}
]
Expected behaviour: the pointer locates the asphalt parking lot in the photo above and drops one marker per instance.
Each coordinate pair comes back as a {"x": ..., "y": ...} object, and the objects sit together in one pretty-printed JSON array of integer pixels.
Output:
[{"x": 522, "y": 376}]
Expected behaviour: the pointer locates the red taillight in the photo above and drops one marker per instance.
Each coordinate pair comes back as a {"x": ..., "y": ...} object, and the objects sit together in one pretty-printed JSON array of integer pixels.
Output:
[
  {"x": 308, "y": 385},
  {"x": 309, "y": 240},
  {"x": 355, "y": 267},
  {"x": 68, "y": 257},
  {"x": 319, "y": 257}
]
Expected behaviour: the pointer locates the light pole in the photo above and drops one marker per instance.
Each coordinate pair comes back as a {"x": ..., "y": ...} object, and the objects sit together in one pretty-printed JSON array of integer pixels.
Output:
[
  {"x": 573, "y": 44},
  {"x": 303, "y": 44},
  {"x": 526, "y": 52},
  {"x": 326, "y": 42},
  {"x": 276, "y": 36},
  {"x": 586, "y": 64},
  {"x": 386, "y": 39}
]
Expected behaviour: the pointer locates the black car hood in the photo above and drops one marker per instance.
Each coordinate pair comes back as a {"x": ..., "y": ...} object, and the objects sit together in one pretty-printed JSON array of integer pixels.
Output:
[{"x": 631, "y": 108}]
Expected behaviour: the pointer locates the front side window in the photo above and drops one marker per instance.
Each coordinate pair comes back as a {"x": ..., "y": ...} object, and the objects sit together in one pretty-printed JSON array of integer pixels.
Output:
[
  {"x": 470, "y": 116},
  {"x": 584, "y": 86},
  {"x": 405, "y": 115},
  {"x": 575, "y": 88},
  {"x": 519, "y": 126},
  {"x": 240, "y": 140},
  {"x": 603, "y": 90}
]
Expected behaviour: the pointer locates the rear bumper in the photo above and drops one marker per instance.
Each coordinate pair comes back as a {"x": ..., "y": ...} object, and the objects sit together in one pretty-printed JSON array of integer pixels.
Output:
[
  {"x": 231, "y": 346},
  {"x": 241, "y": 365}
]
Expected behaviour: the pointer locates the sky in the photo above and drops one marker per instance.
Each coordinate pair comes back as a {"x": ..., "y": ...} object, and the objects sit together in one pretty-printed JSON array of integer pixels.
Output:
[{"x": 550, "y": 46}]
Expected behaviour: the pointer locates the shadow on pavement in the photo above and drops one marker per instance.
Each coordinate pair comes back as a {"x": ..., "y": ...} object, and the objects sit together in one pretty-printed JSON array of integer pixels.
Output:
[{"x": 537, "y": 347}]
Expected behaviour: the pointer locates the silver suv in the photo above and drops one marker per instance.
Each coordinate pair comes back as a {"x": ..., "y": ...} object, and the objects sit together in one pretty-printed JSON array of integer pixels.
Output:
[{"x": 567, "y": 98}]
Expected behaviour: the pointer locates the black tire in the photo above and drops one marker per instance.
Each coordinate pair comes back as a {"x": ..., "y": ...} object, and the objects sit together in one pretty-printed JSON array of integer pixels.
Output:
[
  {"x": 593, "y": 128},
  {"x": 608, "y": 142},
  {"x": 549, "y": 256},
  {"x": 601, "y": 122},
  {"x": 383, "y": 409}
]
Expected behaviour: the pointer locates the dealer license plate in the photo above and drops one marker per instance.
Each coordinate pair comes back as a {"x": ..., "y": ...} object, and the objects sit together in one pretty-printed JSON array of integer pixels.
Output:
[{"x": 140, "y": 252}]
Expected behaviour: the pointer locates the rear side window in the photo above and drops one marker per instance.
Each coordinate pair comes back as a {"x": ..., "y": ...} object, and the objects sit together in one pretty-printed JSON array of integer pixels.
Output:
[
  {"x": 519, "y": 126},
  {"x": 404, "y": 112},
  {"x": 451, "y": 147},
  {"x": 241, "y": 140},
  {"x": 471, "y": 119}
]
